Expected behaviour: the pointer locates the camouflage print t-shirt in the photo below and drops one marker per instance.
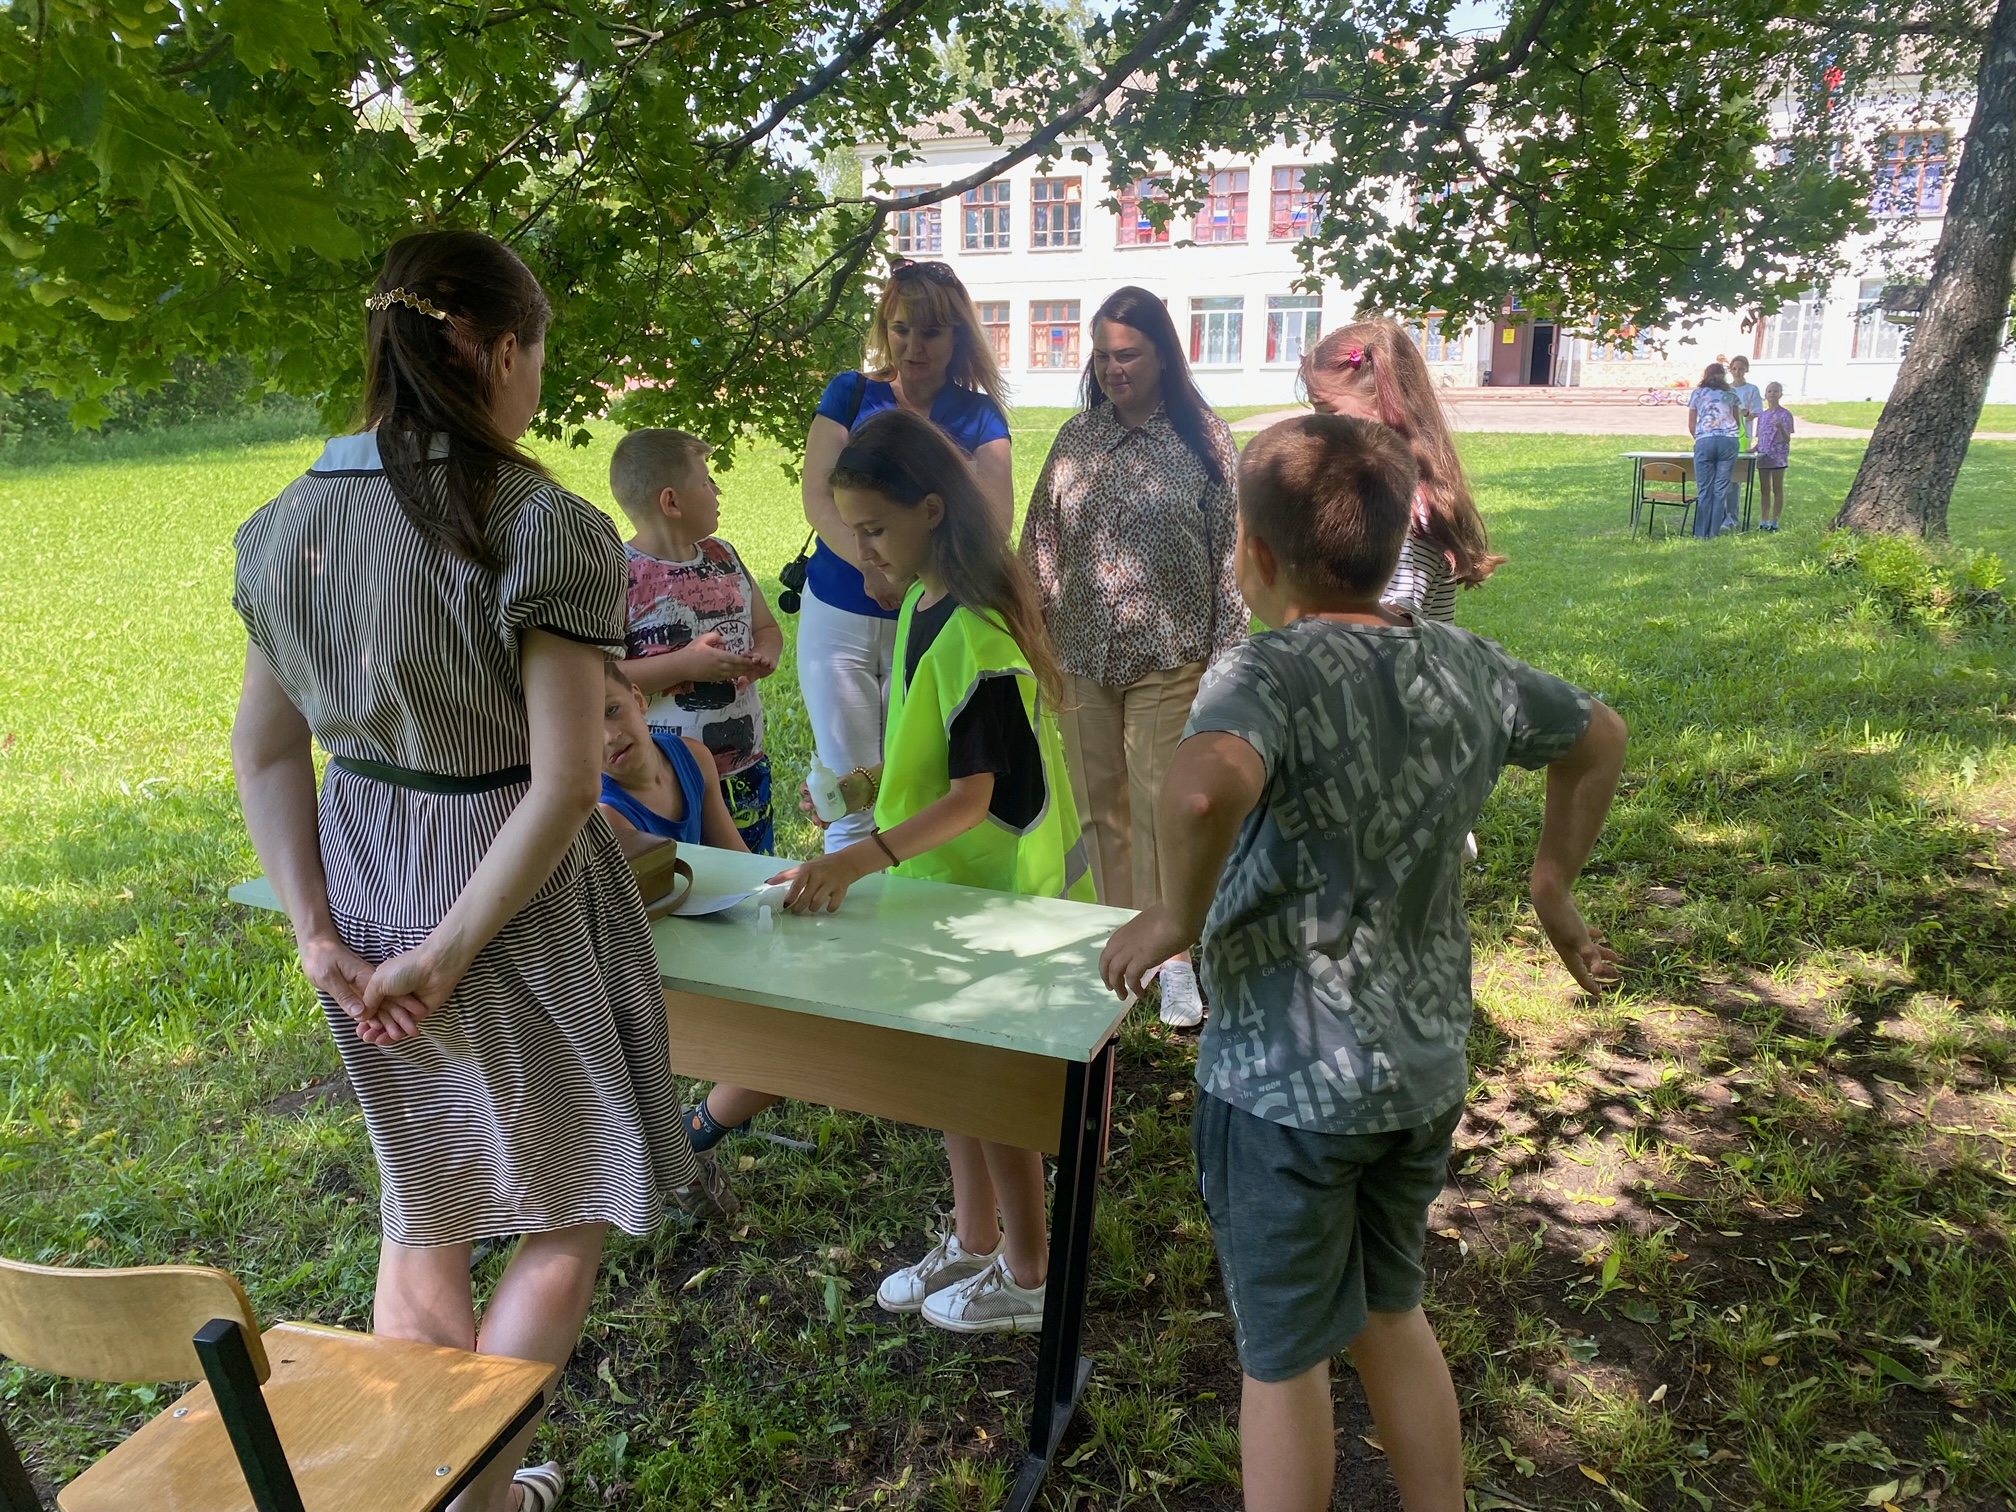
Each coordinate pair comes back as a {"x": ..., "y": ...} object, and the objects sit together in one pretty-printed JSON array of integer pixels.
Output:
[{"x": 1337, "y": 954}]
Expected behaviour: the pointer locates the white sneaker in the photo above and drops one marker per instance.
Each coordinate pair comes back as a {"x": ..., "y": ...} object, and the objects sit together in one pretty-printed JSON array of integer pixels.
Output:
[
  {"x": 990, "y": 1302},
  {"x": 1182, "y": 1003},
  {"x": 948, "y": 1263}
]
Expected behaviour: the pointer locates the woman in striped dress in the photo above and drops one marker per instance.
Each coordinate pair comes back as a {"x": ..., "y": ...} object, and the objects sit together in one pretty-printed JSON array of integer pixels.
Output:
[
  {"x": 433, "y": 610},
  {"x": 1373, "y": 370}
]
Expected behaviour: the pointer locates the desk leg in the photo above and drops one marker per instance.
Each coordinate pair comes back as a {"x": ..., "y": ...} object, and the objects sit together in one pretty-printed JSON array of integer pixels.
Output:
[{"x": 1061, "y": 1372}]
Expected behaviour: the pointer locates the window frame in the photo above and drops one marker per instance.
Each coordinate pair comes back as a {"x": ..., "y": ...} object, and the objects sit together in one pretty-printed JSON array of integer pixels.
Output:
[
  {"x": 1278, "y": 312},
  {"x": 1279, "y": 196},
  {"x": 1073, "y": 322},
  {"x": 935, "y": 212},
  {"x": 996, "y": 211},
  {"x": 1132, "y": 232},
  {"x": 1043, "y": 238},
  {"x": 1205, "y": 309},
  {"x": 1001, "y": 332},
  {"x": 1907, "y": 161},
  {"x": 1430, "y": 333},
  {"x": 1237, "y": 196},
  {"x": 1871, "y": 329}
]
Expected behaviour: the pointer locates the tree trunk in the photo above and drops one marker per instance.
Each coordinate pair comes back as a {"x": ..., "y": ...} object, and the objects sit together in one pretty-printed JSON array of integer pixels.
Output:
[{"x": 1907, "y": 475}]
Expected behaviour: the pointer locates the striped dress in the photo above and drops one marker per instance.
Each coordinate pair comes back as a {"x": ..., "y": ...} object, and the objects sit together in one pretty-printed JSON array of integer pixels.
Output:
[
  {"x": 540, "y": 1095},
  {"x": 1423, "y": 582}
]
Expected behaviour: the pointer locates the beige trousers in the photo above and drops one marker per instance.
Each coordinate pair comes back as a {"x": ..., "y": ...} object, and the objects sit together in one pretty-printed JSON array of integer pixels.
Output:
[{"x": 1120, "y": 743}]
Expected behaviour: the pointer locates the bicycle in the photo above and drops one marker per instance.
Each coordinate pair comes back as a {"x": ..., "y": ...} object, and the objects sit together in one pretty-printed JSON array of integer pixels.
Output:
[{"x": 1661, "y": 396}]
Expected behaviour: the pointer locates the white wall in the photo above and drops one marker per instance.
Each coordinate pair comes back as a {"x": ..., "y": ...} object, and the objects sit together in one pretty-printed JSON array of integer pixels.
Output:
[{"x": 1260, "y": 266}]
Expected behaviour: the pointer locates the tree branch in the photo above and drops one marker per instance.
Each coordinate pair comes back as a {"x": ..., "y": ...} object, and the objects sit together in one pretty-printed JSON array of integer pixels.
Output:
[
  {"x": 1150, "y": 42},
  {"x": 856, "y": 49},
  {"x": 1507, "y": 63}
]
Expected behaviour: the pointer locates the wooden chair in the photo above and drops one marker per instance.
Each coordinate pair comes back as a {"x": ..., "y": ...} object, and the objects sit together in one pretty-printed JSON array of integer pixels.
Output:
[
  {"x": 345, "y": 1420},
  {"x": 1666, "y": 485}
]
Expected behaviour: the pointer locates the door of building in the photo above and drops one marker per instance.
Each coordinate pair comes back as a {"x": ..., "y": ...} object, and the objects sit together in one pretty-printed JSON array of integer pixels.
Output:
[
  {"x": 1509, "y": 345},
  {"x": 1540, "y": 366}
]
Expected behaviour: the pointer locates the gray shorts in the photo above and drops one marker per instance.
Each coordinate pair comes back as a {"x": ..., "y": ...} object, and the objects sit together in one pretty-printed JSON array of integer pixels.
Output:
[{"x": 1315, "y": 1230}]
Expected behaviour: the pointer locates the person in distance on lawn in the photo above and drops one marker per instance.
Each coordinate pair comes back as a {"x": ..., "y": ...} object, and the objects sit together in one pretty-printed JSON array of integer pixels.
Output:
[
  {"x": 971, "y": 789},
  {"x": 1338, "y": 760},
  {"x": 700, "y": 636}
]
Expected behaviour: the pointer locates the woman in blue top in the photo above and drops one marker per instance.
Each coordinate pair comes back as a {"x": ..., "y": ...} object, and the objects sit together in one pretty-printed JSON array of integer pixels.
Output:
[
  {"x": 1713, "y": 421},
  {"x": 653, "y": 781},
  {"x": 927, "y": 353}
]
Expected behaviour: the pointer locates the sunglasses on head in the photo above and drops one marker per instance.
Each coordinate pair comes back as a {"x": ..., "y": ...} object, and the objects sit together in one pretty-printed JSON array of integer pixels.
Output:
[{"x": 936, "y": 272}]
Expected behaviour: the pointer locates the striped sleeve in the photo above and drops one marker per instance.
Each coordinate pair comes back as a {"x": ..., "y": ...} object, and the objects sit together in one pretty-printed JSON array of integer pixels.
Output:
[{"x": 564, "y": 572}]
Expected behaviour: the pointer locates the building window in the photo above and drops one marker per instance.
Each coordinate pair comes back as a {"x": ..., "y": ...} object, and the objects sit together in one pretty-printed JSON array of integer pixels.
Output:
[
  {"x": 1137, "y": 228},
  {"x": 1793, "y": 334},
  {"x": 1437, "y": 340},
  {"x": 919, "y": 231},
  {"x": 1294, "y": 321},
  {"x": 1222, "y": 217},
  {"x": 1632, "y": 346},
  {"x": 1217, "y": 331},
  {"x": 1876, "y": 339},
  {"x": 986, "y": 214},
  {"x": 1296, "y": 211},
  {"x": 994, "y": 321},
  {"x": 1053, "y": 333},
  {"x": 1056, "y": 212},
  {"x": 1911, "y": 178}
]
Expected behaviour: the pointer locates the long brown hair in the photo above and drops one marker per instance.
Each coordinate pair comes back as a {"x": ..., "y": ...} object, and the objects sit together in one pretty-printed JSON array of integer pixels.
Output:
[
  {"x": 905, "y": 458},
  {"x": 443, "y": 302},
  {"x": 1378, "y": 360},
  {"x": 1136, "y": 308},
  {"x": 931, "y": 294}
]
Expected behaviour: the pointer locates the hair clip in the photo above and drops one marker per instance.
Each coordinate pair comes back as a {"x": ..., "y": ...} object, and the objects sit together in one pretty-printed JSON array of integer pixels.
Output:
[
  {"x": 407, "y": 298},
  {"x": 1355, "y": 358}
]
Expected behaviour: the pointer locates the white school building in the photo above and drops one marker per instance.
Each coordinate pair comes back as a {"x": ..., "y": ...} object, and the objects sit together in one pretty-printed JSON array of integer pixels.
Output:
[{"x": 1039, "y": 250}]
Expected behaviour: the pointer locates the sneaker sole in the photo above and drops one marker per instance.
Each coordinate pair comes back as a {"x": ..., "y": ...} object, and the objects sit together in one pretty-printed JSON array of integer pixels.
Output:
[{"x": 992, "y": 1325}]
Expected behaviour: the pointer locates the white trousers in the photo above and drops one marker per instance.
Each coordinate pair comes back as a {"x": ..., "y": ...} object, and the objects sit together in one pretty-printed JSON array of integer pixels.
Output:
[{"x": 844, "y": 665}]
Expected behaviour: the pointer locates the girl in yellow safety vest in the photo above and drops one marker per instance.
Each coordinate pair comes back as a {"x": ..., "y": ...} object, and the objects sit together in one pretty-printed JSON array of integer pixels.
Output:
[{"x": 972, "y": 789}]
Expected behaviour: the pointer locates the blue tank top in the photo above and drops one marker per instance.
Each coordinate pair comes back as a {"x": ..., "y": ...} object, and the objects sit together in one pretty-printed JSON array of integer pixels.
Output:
[{"x": 692, "y": 786}]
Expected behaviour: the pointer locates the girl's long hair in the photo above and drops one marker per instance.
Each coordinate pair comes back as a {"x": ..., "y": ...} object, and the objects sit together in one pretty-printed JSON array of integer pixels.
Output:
[
  {"x": 431, "y": 376},
  {"x": 1715, "y": 376},
  {"x": 1186, "y": 407},
  {"x": 931, "y": 294},
  {"x": 905, "y": 458},
  {"x": 1378, "y": 360}
]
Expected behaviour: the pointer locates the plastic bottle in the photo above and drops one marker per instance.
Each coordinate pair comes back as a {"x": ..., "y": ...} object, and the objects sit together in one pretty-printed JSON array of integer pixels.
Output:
[
  {"x": 765, "y": 921},
  {"x": 824, "y": 786}
]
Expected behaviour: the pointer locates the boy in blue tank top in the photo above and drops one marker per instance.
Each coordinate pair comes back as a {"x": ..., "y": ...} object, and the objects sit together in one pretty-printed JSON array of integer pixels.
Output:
[{"x": 655, "y": 782}]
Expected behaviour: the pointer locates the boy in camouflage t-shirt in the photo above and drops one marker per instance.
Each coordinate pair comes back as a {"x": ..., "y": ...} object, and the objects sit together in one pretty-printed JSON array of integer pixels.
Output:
[{"x": 1331, "y": 770}]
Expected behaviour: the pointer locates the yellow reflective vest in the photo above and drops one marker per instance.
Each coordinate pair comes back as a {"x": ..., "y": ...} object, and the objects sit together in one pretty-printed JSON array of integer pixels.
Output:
[{"x": 1048, "y": 858}]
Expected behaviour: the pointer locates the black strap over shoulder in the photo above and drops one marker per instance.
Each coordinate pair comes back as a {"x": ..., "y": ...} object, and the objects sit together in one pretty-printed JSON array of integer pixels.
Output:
[{"x": 860, "y": 398}]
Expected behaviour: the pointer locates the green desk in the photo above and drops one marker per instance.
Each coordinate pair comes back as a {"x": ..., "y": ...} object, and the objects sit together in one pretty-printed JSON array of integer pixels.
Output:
[{"x": 949, "y": 1007}]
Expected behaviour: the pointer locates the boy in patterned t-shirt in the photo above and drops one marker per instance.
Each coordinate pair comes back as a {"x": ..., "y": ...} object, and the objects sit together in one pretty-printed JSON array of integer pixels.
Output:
[
  {"x": 700, "y": 637},
  {"x": 1338, "y": 761}
]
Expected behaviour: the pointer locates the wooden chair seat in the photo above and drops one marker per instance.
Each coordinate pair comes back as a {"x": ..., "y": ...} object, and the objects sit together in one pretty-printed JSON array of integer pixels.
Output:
[{"x": 369, "y": 1424}]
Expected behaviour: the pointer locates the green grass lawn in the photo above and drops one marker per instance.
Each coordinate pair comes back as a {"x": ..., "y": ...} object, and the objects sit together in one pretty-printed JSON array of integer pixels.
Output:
[
  {"x": 2000, "y": 418},
  {"x": 1738, "y": 1236}
]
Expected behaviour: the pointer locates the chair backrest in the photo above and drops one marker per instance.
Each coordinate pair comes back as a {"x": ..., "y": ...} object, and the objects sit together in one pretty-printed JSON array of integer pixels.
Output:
[
  {"x": 1668, "y": 472},
  {"x": 119, "y": 1325}
]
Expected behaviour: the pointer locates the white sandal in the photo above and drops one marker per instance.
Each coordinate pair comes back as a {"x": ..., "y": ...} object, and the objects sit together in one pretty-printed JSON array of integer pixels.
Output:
[{"x": 540, "y": 1487}]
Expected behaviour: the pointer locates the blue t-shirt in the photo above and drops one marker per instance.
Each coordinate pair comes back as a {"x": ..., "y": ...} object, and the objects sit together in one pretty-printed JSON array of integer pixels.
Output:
[
  {"x": 692, "y": 786},
  {"x": 971, "y": 419}
]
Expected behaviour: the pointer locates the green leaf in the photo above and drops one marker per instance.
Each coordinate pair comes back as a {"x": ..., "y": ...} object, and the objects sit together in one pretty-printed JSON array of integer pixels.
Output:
[{"x": 1896, "y": 1370}]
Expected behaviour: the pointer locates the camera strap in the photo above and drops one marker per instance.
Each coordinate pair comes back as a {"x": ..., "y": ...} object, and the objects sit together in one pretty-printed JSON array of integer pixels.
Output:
[{"x": 793, "y": 575}]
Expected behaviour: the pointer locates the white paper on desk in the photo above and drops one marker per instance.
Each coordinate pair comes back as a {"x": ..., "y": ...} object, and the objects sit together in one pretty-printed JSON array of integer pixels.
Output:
[{"x": 698, "y": 904}]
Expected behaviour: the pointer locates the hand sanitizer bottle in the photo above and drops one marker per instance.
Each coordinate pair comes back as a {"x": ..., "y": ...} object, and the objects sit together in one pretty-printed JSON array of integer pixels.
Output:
[{"x": 824, "y": 787}]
